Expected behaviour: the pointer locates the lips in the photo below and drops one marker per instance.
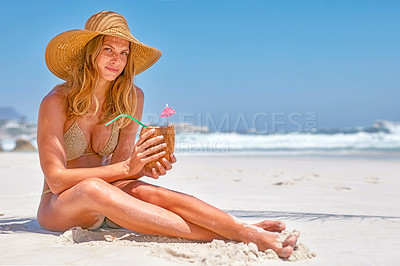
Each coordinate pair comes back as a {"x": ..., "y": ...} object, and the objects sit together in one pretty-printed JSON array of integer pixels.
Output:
[{"x": 112, "y": 69}]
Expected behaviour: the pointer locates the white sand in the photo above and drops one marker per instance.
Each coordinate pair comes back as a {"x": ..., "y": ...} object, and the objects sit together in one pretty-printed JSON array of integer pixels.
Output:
[
  {"x": 217, "y": 252},
  {"x": 346, "y": 210}
]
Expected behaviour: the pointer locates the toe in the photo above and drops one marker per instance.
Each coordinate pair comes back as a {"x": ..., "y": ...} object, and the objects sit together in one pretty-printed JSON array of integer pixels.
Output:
[
  {"x": 281, "y": 226},
  {"x": 291, "y": 240},
  {"x": 272, "y": 226},
  {"x": 277, "y": 226},
  {"x": 285, "y": 252}
]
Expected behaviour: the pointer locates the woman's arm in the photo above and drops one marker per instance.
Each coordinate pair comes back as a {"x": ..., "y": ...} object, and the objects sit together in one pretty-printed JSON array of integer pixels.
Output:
[{"x": 50, "y": 138}]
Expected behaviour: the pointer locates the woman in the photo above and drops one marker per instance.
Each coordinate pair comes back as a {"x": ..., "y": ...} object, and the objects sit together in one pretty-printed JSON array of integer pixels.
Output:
[{"x": 92, "y": 171}]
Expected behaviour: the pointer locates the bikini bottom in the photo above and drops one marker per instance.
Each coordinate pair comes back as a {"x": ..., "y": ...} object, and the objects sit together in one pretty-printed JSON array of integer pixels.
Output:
[{"x": 104, "y": 222}]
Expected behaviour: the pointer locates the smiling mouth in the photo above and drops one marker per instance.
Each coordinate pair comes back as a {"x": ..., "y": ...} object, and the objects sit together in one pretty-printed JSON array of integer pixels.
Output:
[{"x": 112, "y": 69}]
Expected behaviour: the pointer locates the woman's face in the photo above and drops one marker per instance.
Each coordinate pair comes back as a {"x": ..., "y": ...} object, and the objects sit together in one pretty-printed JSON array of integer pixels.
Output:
[{"x": 113, "y": 57}]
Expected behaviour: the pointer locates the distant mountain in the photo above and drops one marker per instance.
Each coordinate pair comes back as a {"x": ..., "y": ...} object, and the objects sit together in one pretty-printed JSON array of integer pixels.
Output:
[{"x": 9, "y": 113}]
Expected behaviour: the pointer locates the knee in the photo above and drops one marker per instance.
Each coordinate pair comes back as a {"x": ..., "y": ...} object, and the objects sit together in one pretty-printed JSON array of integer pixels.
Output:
[
  {"x": 151, "y": 194},
  {"x": 91, "y": 188}
]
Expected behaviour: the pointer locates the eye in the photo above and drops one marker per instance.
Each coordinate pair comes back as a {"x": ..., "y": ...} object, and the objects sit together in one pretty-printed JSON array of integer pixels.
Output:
[{"x": 125, "y": 53}]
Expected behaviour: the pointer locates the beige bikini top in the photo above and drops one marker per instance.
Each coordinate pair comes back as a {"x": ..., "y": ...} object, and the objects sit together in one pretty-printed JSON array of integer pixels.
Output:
[{"x": 75, "y": 142}]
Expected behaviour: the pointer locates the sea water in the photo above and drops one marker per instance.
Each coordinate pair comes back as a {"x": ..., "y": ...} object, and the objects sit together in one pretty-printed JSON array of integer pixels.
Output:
[{"x": 382, "y": 140}]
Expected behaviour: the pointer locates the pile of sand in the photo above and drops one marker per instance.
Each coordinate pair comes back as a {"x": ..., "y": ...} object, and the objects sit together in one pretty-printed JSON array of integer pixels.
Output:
[{"x": 217, "y": 252}]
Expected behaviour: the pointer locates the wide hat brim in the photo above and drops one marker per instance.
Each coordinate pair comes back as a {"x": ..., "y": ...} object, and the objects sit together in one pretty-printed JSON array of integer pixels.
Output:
[{"x": 63, "y": 51}]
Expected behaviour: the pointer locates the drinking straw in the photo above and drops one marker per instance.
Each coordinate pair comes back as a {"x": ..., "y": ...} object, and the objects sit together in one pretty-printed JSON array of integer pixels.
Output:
[{"x": 126, "y": 116}]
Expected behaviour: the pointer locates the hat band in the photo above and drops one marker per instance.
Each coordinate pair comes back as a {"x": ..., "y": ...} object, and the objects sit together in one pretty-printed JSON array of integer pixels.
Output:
[{"x": 119, "y": 32}]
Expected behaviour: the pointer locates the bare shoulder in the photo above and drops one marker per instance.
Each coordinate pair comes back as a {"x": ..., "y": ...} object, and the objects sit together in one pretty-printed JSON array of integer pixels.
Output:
[
  {"x": 139, "y": 102},
  {"x": 58, "y": 93},
  {"x": 139, "y": 94},
  {"x": 54, "y": 103}
]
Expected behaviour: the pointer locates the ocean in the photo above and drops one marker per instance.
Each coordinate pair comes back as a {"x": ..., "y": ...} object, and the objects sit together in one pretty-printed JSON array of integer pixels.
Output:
[{"x": 382, "y": 140}]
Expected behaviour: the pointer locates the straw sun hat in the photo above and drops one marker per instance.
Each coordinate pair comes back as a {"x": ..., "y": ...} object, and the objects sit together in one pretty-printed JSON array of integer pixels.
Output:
[{"x": 64, "y": 49}]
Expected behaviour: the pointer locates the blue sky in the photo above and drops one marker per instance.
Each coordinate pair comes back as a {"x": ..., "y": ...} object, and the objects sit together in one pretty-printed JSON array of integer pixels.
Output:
[{"x": 337, "y": 59}]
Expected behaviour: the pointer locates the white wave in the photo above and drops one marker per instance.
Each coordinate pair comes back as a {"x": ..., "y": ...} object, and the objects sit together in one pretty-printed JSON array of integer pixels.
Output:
[
  {"x": 298, "y": 141},
  {"x": 8, "y": 144},
  {"x": 392, "y": 127}
]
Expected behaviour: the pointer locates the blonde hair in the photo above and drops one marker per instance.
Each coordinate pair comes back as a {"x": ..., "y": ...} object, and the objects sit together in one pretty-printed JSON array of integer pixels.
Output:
[{"x": 121, "y": 97}]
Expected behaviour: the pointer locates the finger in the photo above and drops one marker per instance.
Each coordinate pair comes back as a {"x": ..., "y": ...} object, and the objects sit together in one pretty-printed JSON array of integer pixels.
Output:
[
  {"x": 153, "y": 157},
  {"x": 150, "y": 142},
  {"x": 154, "y": 172},
  {"x": 166, "y": 163},
  {"x": 161, "y": 169},
  {"x": 153, "y": 149},
  {"x": 173, "y": 158},
  {"x": 143, "y": 137}
]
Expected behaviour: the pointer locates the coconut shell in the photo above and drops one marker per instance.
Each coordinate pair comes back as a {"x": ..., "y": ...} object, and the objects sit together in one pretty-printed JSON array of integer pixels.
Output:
[{"x": 169, "y": 138}]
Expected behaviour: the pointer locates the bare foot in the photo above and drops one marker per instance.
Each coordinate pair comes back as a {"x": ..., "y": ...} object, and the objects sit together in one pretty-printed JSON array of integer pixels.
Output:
[
  {"x": 272, "y": 241},
  {"x": 271, "y": 226},
  {"x": 282, "y": 244}
]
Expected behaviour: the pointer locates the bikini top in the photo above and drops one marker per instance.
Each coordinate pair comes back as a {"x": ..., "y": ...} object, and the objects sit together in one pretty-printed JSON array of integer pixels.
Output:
[{"x": 75, "y": 142}]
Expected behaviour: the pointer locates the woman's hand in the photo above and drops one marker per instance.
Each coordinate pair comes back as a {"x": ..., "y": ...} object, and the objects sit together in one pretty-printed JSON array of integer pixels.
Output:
[
  {"x": 141, "y": 152},
  {"x": 162, "y": 168}
]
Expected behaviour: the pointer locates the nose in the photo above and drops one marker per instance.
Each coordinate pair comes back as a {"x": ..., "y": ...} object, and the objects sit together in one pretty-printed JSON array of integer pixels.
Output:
[{"x": 114, "y": 57}]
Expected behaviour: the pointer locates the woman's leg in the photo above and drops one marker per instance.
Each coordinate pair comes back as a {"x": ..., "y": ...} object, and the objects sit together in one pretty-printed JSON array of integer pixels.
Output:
[
  {"x": 83, "y": 204},
  {"x": 207, "y": 216}
]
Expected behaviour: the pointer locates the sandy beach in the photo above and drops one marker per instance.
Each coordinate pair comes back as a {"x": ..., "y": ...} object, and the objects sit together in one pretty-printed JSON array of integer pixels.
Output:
[{"x": 346, "y": 209}]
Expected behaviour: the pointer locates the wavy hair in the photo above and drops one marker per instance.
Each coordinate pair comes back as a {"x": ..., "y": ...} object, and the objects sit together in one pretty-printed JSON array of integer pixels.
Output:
[{"x": 121, "y": 97}]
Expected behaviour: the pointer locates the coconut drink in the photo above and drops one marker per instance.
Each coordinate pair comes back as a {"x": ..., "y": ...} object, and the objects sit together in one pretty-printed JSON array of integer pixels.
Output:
[
  {"x": 167, "y": 131},
  {"x": 169, "y": 137}
]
